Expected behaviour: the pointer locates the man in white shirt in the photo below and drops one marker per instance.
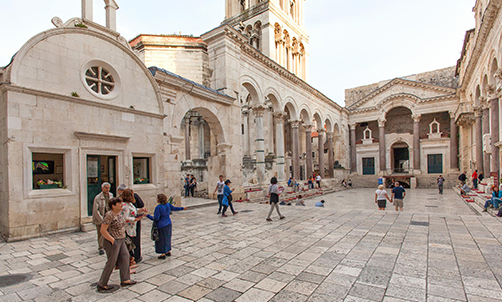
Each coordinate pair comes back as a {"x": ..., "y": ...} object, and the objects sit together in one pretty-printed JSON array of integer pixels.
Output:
[
  {"x": 219, "y": 187},
  {"x": 318, "y": 180}
]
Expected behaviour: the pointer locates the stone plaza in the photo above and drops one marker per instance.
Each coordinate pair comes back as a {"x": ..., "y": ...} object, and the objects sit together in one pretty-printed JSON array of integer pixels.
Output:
[{"x": 438, "y": 249}]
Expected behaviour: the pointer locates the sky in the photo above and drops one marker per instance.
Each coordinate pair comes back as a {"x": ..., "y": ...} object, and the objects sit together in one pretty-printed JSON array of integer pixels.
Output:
[{"x": 352, "y": 43}]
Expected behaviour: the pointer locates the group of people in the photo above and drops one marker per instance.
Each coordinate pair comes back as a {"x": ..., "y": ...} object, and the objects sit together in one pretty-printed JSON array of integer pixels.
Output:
[
  {"x": 224, "y": 196},
  {"x": 347, "y": 183},
  {"x": 397, "y": 197},
  {"x": 190, "y": 185},
  {"x": 118, "y": 225}
]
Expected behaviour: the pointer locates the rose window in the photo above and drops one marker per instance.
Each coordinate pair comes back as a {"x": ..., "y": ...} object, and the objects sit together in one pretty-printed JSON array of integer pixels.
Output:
[{"x": 99, "y": 80}]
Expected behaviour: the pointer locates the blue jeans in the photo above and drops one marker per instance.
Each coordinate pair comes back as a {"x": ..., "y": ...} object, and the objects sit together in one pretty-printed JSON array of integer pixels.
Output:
[
  {"x": 220, "y": 199},
  {"x": 187, "y": 188},
  {"x": 496, "y": 202},
  {"x": 475, "y": 183}
]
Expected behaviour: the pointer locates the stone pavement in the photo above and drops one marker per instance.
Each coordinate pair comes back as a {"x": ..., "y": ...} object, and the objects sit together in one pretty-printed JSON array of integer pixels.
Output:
[{"x": 438, "y": 249}]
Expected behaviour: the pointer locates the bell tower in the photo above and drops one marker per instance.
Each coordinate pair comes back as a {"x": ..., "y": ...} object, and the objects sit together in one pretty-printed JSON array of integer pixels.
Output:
[{"x": 274, "y": 27}]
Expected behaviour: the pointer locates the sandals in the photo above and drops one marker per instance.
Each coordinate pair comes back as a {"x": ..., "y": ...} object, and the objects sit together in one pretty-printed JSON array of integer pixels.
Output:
[
  {"x": 128, "y": 283},
  {"x": 107, "y": 289},
  {"x": 163, "y": 256}
]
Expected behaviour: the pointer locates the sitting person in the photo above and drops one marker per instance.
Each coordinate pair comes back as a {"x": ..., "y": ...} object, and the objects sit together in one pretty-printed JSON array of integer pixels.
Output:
[
  {"x": 349, "y": 183},
  {"x": 299, "y": 201},
  {"x": 319, "y": 204},
  {"x": 464, "y": 189},
  {"x": 495, "y": 200}
]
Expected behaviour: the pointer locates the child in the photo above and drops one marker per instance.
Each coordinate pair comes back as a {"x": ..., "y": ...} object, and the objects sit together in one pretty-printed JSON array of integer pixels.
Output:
[{"x": 274, "y": 192}]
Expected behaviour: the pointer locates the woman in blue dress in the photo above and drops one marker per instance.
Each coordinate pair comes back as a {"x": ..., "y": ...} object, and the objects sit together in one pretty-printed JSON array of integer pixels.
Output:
[
  {"x": 161, "y": 217},
  {"x": 227, "y": 199}
]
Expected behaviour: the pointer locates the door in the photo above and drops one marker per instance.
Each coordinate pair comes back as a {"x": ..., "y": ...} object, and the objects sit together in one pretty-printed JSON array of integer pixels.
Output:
[
  {"x": 112, "y": 179},
  {"x": 435, "y": 163},
  {"x": 369, "y": 166},
  {"x": 93, "y": 180}
]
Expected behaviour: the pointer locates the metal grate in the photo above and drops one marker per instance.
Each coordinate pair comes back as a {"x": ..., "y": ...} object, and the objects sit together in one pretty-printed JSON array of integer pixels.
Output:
[
  {"x": 9, "y": 280},
  {"x": 422, "y": 223},
  {"x": 245, "y": 211}
]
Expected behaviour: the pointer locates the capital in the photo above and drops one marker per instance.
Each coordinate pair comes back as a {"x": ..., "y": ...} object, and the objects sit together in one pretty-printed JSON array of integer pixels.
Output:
[
  {"x": 321, "y": 131},
  {"x": 353, "y": 126},
  {"x": 308, "y": 127},
  {"x": 491, "y": 91},
  {"x": 279, "y": 115},
  {"x": 381, "y": 122},
  {"x": 478, "y": 111},
  {"x": 416, "y": 117},
  {"x": 295, "y": 123},
  {"x": 452, "y": 114},
  {"x": 259, "y": 110}
]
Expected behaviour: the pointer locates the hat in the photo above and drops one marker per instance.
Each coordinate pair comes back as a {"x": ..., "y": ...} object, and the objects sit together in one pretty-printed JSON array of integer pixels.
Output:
[{"x": 227, "y": 181}]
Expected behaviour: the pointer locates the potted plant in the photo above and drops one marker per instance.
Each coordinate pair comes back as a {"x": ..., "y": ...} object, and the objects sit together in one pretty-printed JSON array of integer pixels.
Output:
[
  {"x": 139, "y": 180},
  {"x": 49, "y": 184}
]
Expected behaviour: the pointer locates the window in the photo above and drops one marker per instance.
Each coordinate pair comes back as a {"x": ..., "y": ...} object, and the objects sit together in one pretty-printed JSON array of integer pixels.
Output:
[
  {"x": 435, "y": 163},
  {"x": 141, "y": 168},
  {"x": 369, "y": 166},
  {"x": 47, "y": 171},
  {"x": 99, "y": 80}
]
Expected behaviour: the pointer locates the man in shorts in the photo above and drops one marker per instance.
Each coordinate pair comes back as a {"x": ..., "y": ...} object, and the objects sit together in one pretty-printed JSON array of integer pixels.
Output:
[{"x": 398, "y": 194}]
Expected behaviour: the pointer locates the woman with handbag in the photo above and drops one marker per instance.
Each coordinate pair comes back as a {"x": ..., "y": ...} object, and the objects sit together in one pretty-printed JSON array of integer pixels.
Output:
[
  {"x": 162, "y": 220},
  {"x": 113, "y": 231},
  {"x": 131, "y": 216},
  {"x": 274, "y": 192},
  {"x": 227, "y": 199}
]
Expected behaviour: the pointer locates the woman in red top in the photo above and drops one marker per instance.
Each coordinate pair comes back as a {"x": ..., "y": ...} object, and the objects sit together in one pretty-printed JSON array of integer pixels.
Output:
[{"x": 475, "y": 179}]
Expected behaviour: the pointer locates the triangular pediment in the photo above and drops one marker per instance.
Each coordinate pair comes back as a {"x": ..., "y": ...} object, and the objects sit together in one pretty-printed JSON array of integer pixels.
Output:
[{"x": 401, "y": 88}]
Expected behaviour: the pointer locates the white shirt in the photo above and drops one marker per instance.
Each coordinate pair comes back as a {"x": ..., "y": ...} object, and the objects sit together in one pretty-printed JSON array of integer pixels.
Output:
[
  {"x": 380, "y": 194},
  {"x": 220, "y": 185},
  {"x": 318, "y": 178}
]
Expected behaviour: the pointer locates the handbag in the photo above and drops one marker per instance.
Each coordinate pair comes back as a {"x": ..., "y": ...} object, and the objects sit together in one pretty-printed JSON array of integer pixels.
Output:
[
  {"x": 155, "y": 235},
  {"x": 130, "y": 245}
]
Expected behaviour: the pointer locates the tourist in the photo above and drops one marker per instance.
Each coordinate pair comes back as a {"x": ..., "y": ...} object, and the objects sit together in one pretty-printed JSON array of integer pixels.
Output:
[
  {"x": 112, "y": 228},
  {"x": 349, "y": 183},
  {"x": 162, "y": 218},
  {"x": 99, "y": 209},
  {"x": 381, "y": 198},
  {"x": 227, "y": 199},
  {"x": 220, "y": 185},
  {"x": 311, "y": 183},
  {"x": 140, "y": 206},
  {"x": 318, "y": 180},
  {"x": 131, "y": 215},
  {"x": 380, "y": 180},
  {"x": 463, "y": 177},
  {"x": 464, "y": 189},
  {"x": 299, "y": 201},
  {"x": 187, "y": 185},
  {"x": 398, "y": 194},
  {"x": 343, "y": 183},
  {"x": 319, "y": 204},
  {"x": 193, "y": 185},
  {"x": 495, "y": 200},
  {"x": 475, "y": 179},
  {"x": 440, "y": 182},
  {"x": 274, "y": 192}
]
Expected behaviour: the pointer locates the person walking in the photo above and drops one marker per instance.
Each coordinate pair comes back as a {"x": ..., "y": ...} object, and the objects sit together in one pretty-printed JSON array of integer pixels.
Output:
[
  {"x": 398, "y": 194},
  {"x": 440, "y": 182},
  {"x": 381, "y": 198},
  {"x": 193, "y": 185},
  {"x": 274, "y": 192},
  {"x": 318, "y": 180},
  {"x": 475, "y": 179},
  {"x": 132, "y": 216},
  {"x": 140, "y": 207},
  {"x": 227, "y": 199},
  {"x": 99, "y": 209},
  {"x": 112, "y": 228},
  {"x": 220, "y": 185},
  {"x": 161, "y": 217}
]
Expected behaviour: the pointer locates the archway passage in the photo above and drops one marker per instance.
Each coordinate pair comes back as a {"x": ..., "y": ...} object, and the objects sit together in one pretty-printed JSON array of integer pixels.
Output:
[{"x": 401, "y": 158}]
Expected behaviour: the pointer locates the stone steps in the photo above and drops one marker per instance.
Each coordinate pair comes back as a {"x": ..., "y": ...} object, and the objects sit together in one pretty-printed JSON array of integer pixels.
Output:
[{"x": 479, "y": 202}]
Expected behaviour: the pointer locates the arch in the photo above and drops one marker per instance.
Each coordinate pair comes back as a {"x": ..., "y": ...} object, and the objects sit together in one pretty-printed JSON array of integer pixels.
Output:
[
  {"x": 318, "y": 119},
  {"x": 277, "y": 29},
  {"x": 305, "y": 115},
  {"x": 477, "y": 95},
  {"x": 125, "y": 47},
  {"x": 336, "y": 129},
  {"x": 287, "y": 38},
  {"x": 399, "y": 100},
  {"x": 291, "y": 107},
  {"x": 484, "y": 85},
  {"x": 273, "y": 95},
  {"x": 329, "y": 124},
  {"x": 253, "y": 89},
  {"x": 493, "y": 69}
]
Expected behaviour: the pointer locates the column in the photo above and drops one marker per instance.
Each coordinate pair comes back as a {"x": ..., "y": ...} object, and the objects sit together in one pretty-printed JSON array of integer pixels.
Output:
[
  {"x": 308, "y": 150},
  {"x": 382, "y": 148},
  {"x": 279, "y": 139},
  {"x": 320, "y": 138},
  {"x": 331, "y": 156},
  {"x": 453, "y": 142},
  {"x": 201, "y": 137},
  {"x": 416, "y": 141},
  {"x": 87, "y": 9},
  {"x": 296, "y": 147},
  {"x": 486, "y": 130},
  {"x": 270, "y": 131},
  {"x": 111, "y": 14},
  {"x": 245, "y": 121},
  {"x": 259, "y": 143},
  {"x": 478, "y": 136},
  {"x": 353, "y": 166},
  {"x": 187, "y": 139},
  {"x": 494, "y": 129}
]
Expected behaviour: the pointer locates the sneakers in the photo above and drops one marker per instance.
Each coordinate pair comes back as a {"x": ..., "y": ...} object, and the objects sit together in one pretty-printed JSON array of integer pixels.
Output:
[
  {"x": 282, "y": 217},
  {"x": 101, "y": 252},
  {"x": 235, "y": 213},
  {"x": 223, "y": 215},
  {"x": 269, "y": 219}
]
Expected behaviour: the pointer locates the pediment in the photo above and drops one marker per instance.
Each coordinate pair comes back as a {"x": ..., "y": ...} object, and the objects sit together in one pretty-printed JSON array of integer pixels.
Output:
[{"x": 404, "y": 89}]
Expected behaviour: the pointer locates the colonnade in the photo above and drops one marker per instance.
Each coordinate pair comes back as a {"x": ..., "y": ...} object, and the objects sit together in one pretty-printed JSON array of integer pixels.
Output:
[
  {"x": 278, "y": 118},
  {"x": 199, "y": 123},
  {"x": 487, "y": 123}
]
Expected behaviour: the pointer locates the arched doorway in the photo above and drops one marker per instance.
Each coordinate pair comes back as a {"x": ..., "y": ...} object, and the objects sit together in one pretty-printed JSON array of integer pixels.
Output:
[{"x": 400, "y": 158}]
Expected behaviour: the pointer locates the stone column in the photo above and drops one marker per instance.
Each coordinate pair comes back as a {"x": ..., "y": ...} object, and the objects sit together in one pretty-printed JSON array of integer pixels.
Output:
[
  {"x": 308, "y": 150},
  {"x": 416, "y": 141},
  {"x": 494, "y": 129},
  {"x": 271, "y": 132},
  {"x": 259, "y": 143},
  {"x": 296, "y": 147},
  {"x": 353, "y": 161},
  {"x": 87, "y": 9},
  {"x": 279, "y": 139},
  {"x": 331, "y": 156},
  {"x": 382, "y": 148},
  {"x": 111, "y": 14},
  {"x": 453, "y": 142},
  {"x": 486, "y": 130},
  {"x": 245, "y": 121},
  {"x": 201, "y": 137},
  {"x": 320, "y": 138},
  {"x": 187, "y": 139},
  {"x": 478, "y": 136}
]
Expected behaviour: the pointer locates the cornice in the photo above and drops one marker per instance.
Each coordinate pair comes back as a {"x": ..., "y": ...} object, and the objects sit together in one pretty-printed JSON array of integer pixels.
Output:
[
  {"x": 489, "y": 18},
  {"x": 77, "y": 100},
  {"x": 399, "y": 81},
  {"x": 271, "y": 64}
]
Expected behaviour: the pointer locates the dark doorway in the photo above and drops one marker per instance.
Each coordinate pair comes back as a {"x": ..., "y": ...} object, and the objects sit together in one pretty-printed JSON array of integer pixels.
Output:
[
  {"x": 401, "y": 160},
  {"x": 100, "y": 169},
  {"x": 435, "y": 163},
  {"x": 369, "y": 166}
]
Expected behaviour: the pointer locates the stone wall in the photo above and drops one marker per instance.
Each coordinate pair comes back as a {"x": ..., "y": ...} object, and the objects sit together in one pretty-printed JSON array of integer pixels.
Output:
[
  {"x": 4, "y": 200},
  {"x": 355, "y": 94}
]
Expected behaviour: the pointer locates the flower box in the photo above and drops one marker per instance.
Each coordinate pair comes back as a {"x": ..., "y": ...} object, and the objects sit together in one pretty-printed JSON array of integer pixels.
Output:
[
  {"x": 141, "y": 182},
  {"x": 51, "y": 186}
]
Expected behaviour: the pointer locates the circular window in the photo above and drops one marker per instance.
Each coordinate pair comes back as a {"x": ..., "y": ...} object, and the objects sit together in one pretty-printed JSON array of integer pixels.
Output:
[{"x": 100, "y": 79}]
